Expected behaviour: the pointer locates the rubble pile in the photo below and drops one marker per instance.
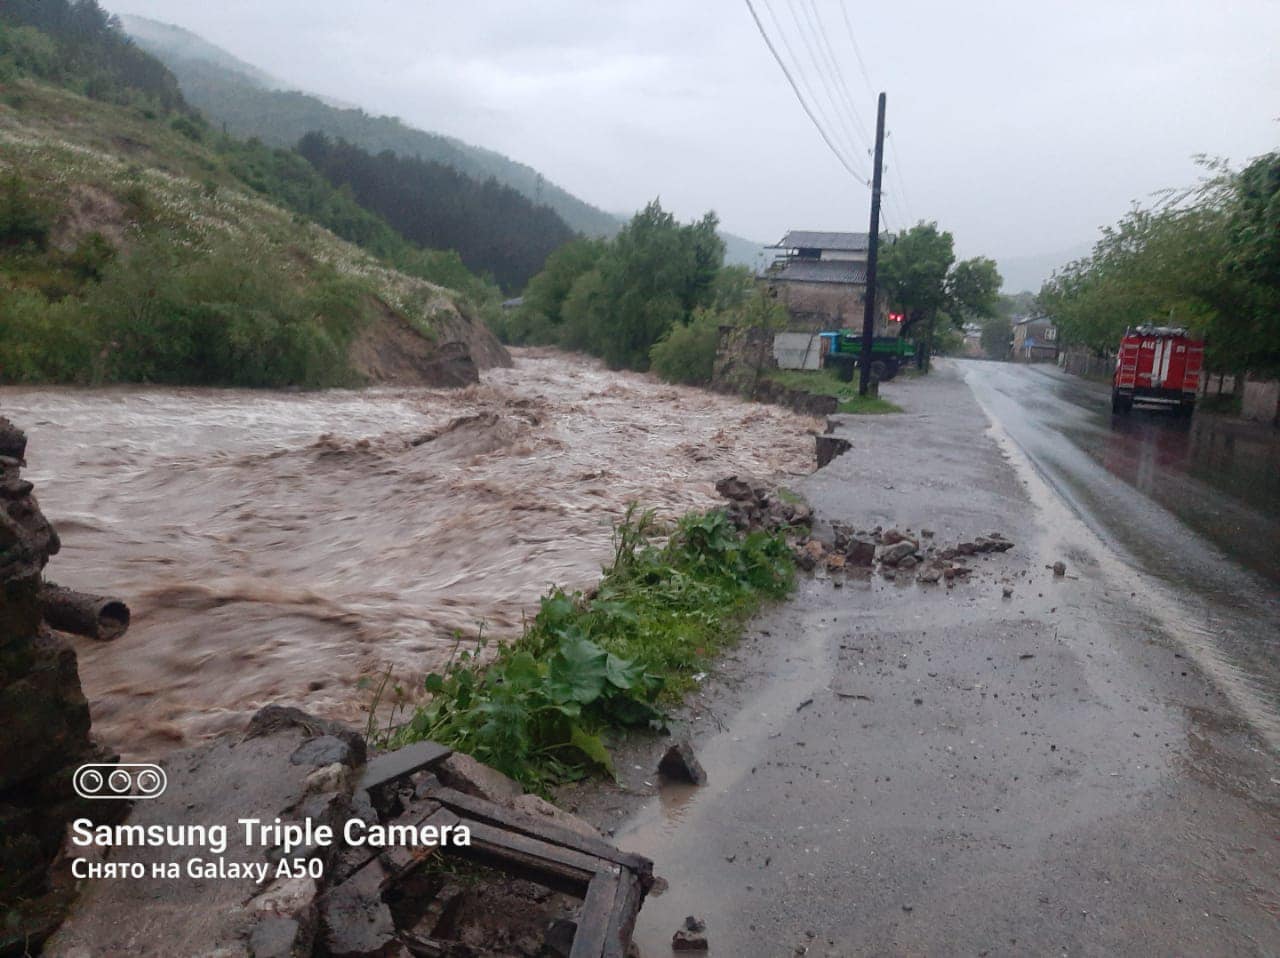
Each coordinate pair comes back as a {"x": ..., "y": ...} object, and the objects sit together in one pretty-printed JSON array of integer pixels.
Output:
[
  {"x": 895, "y": 553},
  {"x": 43, "y": 713},
  {"x": 756, "y": 505}
]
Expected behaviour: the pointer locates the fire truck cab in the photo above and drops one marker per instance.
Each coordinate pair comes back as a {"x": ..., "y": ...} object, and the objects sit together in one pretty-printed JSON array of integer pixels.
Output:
[{"x": 1157, "y": 366}]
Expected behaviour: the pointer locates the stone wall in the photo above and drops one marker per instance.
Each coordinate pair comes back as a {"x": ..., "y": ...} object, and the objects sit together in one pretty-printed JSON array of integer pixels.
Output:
[
  {"x": 44, "y": 718},
  {"x": 819, "y": 307}
]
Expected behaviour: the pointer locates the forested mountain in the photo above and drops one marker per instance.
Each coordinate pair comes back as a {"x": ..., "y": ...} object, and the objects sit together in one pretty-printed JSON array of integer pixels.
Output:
[
  {"x": 492, "y": 227},
  {"x": 78, "y": 45},
  {"x": 249, "y": 102},
  {"x": 248, "y": 106}
]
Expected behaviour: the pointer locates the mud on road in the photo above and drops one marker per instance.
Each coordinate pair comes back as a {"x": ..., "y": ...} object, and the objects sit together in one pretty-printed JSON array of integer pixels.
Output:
[
  {"x": 276, "y": 547},
  {"x": 897, "y": 768}
]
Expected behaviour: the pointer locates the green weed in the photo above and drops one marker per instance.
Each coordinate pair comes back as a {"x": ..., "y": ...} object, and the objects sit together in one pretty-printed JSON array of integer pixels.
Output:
[{"x": 542, "y": 708}]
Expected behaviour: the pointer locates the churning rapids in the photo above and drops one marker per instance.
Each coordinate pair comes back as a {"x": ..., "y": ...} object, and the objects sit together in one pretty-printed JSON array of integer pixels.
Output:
[{"x": 276, "y": 547}]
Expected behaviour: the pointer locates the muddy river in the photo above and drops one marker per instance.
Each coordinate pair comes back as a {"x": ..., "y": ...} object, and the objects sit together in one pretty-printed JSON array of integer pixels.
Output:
[{"x": 278, "y": 547}]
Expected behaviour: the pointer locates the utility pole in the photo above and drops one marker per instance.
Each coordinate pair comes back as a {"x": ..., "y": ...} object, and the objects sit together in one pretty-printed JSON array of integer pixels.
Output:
[{"x": 873, "y": 255}]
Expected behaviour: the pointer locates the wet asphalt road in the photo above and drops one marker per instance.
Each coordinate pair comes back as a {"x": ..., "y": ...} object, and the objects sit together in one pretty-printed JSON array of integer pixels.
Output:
[{"x": 1087, "y": 767}]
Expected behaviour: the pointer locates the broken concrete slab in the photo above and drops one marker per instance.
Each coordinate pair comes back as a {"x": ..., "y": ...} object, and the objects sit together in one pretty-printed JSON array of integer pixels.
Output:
[{"x": 464, "y": 774}]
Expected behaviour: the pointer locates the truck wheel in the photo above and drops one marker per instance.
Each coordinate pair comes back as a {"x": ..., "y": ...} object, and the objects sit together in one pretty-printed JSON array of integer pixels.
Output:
[
  {"x": 878, "y": 370},
  {"x": 844, "y": 369},
  {"x": 1120, "y": 404},
  {"x": 1186, "y": 409},
  {"x": 891, "y": 368}
]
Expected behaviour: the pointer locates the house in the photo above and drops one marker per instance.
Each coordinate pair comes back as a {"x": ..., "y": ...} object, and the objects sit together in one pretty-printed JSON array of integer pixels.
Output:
[
  {"x": 822, "y": 280},
  {"x": 1035, "y": 340}
]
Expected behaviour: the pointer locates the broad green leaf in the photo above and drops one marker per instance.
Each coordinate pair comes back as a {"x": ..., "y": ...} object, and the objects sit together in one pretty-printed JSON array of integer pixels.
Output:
[{"x": 592, "y": 747}]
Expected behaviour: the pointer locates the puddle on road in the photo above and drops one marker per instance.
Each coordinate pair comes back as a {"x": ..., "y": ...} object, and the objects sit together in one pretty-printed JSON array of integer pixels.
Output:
[{"x": 668, "y": 825}]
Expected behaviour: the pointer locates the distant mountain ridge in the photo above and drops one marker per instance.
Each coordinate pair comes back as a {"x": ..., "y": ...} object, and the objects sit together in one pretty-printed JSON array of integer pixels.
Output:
[{"x": 252, "y": 103}]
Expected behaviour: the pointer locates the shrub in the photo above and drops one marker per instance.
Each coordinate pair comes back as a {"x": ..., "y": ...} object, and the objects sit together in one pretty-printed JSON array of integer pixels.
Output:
[
  {"x": 687, "y": 353},
  {"x": 24, "y": 219},
  {"x": 222, "y": 318}
]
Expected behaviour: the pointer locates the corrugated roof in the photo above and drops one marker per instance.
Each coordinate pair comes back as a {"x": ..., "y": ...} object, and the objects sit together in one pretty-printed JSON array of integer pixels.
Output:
[
  {"x": 813, "y": 239},
  {"x": 820, "y": 271}
]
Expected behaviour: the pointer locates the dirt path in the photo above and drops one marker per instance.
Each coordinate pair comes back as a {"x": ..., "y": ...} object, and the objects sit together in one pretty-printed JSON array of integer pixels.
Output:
[
  {"x": 903, "y": 769},
  {"x": 277, "y": 546}
]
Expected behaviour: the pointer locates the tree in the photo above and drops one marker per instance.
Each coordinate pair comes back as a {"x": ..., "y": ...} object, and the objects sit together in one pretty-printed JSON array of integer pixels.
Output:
[
  {"x": 654, "y": 275},
  {"x": 997, "y": 332},
  {"x": 1204, "y": 258},
  {"x": 922, "y": 278},
  {"x": 913, "y": 271}
]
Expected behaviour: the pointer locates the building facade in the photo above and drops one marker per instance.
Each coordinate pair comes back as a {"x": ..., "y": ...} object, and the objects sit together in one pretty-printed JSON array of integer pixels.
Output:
[
  {"x": 1035, "y": 340},
  {"x": 821, "y": 278}
]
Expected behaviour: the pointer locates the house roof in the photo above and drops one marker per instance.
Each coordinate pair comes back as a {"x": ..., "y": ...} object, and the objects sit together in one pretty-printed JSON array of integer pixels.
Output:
[
  {"x": 1034, "y": 319},
  {"x": 820, "y": 271},
  {"x": 812, "y": 239}
]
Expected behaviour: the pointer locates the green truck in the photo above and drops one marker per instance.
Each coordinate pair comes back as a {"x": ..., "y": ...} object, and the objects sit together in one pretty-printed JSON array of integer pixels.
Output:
[{"x": 888, "y": 354}]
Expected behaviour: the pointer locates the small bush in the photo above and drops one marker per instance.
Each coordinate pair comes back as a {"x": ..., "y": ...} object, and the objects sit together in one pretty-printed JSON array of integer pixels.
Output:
[
  {"x": 24, "y": 219},
  {"x": 687, "y": 353},
  {"x": 92, "y": 255}
]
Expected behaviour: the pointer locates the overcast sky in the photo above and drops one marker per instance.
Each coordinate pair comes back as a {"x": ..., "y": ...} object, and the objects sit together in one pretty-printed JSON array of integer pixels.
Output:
[{"x": 1020, "y": 126}]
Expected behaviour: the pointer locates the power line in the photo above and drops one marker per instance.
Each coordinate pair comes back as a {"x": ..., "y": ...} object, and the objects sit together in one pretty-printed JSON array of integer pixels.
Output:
[
  {"x": 871, "y": 89},
  {"x": 818, "y": 109},
  {"x": 862, "y": 64},
  {"x": 796, "y": 90},
  {"x": 820, "y": 28},
  {"x": 815, "y": 56}
]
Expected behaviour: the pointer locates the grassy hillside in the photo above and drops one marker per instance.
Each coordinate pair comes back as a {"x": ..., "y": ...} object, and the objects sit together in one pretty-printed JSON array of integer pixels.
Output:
[
  {"x": 251, "y": 104},
  {"x": 131, "y": 251}
]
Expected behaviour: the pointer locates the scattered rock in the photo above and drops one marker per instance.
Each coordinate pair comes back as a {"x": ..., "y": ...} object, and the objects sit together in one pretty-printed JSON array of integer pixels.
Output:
[
  {"x": 736, "y": 489},
  {"x": 897, "y": 552},
  {"x": 1008, "y": 592},
  {"x": 966, "y": 548},
  {"x": 930, "y": 574},
  {"x": 691, "y": 936},
  {"x": 907, "y": 562},
  {"x": 835, "y": 562},
  {"x": 324, "y": 750},
  {"x": 681, "y": 765},
  {"x": 1059, "y": 568},
  {"x": 860, "y": 553},
  {"x": 891, "y": 536}
]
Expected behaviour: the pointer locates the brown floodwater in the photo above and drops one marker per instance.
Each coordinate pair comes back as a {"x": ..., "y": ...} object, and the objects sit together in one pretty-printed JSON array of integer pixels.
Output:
[{"x": 278, "y": 547}]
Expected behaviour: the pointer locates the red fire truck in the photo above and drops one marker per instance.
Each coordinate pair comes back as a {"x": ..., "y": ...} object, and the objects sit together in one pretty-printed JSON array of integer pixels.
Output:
[{"x": 1158, "y": 366}]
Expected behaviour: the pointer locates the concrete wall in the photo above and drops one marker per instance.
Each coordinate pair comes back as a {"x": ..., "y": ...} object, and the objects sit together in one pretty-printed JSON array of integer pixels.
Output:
[{"x": 1261, "y": 401}]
